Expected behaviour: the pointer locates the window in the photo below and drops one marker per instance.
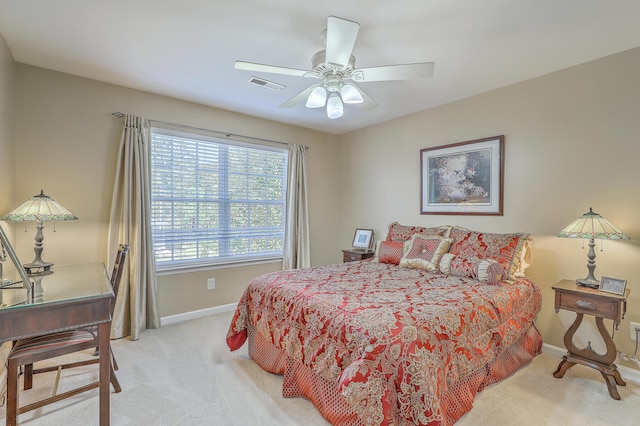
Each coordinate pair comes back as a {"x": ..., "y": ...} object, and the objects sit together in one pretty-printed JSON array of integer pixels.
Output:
[{"x": 215, "y": 200}]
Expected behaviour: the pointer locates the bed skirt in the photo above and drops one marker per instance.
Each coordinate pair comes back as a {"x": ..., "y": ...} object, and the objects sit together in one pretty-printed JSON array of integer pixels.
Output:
[{"x": 300, "y": 381}]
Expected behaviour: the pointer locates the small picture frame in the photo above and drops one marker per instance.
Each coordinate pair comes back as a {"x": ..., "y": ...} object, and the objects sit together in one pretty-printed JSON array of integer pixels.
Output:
[
  {"x": 363, "y": 239},
  {"x": 613, "y": 285}
]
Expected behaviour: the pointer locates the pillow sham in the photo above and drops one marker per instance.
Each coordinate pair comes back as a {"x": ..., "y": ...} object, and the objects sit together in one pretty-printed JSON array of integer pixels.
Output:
[
  {"x": 424, "y": 252},
  {"x": 399, "y": 232},
  {"x": 388, "y": 252},
  {"x": 506, "y": 249}
]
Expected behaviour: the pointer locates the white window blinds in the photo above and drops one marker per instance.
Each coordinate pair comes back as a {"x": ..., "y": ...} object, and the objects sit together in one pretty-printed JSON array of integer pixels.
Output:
[{"x": 214, "y": 201}]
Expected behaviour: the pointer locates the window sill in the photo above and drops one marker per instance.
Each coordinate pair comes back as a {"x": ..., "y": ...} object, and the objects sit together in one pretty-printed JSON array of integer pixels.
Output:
[{"x": 182, "y": 269}]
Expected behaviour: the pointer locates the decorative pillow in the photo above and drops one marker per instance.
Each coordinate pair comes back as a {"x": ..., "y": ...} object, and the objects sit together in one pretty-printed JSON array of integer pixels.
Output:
[
  {"x": 422, "y": 252},
  {"x": 399, "y": 232},
  {"x": 483, "y": 270},
  {"x": 506, "y": 249},
  {"x": 490, "y": 271},
  {"x": 388, "y": 252},
  {"x": 525, "y": 257},
  {"x": 459, "y": 266},
  {"x": 495, "y": 273}
]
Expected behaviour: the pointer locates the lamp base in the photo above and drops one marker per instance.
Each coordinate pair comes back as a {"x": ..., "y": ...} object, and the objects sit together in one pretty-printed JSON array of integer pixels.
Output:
[
  {"x": 45, "y": 266},
  {"x": 587, "y": 282}
]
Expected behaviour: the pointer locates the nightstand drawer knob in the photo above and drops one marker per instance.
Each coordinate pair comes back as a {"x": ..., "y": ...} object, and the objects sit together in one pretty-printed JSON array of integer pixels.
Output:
[{"x": 585, "y": 305}]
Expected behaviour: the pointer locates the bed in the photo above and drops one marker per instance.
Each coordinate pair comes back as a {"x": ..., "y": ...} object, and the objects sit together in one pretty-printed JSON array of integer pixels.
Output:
[{"x": 407, "y": 337}]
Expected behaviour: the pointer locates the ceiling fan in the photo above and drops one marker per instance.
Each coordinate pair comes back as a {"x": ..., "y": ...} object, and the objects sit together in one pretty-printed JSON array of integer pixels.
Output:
[{"x": 335, "y": 67}]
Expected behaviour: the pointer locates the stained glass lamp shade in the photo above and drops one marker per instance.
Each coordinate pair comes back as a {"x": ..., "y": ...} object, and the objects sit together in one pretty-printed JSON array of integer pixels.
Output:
[
  {"x": 39, "y": 208},
  {"x": 592, "y": 226}
]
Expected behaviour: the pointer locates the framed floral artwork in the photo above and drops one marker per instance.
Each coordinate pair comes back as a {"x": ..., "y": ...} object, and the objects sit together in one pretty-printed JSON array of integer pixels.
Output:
[{"x": 463, "y": 178}]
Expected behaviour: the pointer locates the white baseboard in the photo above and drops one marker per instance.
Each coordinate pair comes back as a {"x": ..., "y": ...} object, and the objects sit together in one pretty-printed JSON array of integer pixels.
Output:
[
  {"x": 627, "y": 373},
  {"x": 172, "y": 319}
]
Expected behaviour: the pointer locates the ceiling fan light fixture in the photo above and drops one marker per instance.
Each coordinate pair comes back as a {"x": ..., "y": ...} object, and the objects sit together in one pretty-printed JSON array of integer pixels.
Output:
[
  {"x": 351, "y": 95},
  {"x": 333, "y": 67},
  {"x": 335, "y": 108},
  {"x": 317, "y": 98}
]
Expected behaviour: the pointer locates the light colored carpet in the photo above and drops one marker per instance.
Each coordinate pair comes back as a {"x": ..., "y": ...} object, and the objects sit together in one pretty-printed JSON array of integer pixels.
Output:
[{"x": 184, "y": 374}]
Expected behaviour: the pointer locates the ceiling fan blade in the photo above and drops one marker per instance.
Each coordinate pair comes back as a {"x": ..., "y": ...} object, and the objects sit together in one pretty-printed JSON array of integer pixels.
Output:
[
  {"x": 394, "y": 72},
  {"x": 252, "y": 66},
  {"x": 341, "y": 37},
  {"x": 300, "y": 97}
]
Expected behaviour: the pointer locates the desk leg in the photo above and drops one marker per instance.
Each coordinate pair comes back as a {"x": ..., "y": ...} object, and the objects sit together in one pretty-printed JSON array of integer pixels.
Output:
[{"x": 104, "y": 330}]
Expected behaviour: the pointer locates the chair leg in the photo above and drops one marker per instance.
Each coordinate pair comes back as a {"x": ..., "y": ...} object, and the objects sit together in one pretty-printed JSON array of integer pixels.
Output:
[
  {"x": 28, "y": 376},
  {"x": 113, "y": 359},
  {"x": 114, "y": 380},
  {"x": 12, "y": 392},
  {"x": 57, "y": 382}
]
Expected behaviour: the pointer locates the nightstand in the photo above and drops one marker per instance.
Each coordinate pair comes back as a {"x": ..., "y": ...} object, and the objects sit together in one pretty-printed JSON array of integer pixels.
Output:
[
  {"x": 601, "y": 305},
  {"x": 352, "y": 255}
]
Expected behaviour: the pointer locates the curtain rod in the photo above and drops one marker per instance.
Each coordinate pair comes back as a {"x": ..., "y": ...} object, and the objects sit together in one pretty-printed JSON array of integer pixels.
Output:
[{"x": 119, "y": 114}]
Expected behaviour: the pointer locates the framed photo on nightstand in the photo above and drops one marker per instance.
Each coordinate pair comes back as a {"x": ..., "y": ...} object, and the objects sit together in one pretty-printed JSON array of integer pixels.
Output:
[
  {"x": 363, "y": 239},
  {"x": 613, "y": 285}
]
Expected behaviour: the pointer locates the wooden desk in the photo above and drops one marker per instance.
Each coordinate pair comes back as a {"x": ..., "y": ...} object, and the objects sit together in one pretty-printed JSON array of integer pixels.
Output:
[
  {"x": 584, "y": 300},
  {"x": 71, "y": 296}
]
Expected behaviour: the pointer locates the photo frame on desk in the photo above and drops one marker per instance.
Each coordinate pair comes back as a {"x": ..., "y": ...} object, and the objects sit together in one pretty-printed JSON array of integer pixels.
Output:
[
  {"x": 363, "y": 239},
  {"x": 613, "y": 285},
  {"x": 4, "y": 242}
]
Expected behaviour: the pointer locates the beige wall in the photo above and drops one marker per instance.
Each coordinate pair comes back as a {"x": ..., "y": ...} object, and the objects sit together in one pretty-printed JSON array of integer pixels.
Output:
[
  {"x": 67, "y": 142},
  {"x": 7, "y": 153},
  {"x": 572, "y": 142}
]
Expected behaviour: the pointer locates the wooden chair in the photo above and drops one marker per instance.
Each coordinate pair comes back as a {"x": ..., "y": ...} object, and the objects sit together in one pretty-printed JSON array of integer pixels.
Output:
[{"x": 27, "y": 351}]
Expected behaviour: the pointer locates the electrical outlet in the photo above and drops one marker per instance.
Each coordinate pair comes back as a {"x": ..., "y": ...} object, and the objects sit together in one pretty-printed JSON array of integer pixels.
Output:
[
  {"x": 211, "y": 284},
  {"x": 633, "y": 326}
]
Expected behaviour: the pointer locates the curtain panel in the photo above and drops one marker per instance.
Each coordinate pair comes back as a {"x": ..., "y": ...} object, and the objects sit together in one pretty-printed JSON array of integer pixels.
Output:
[
  {"x": 297, "y": 253},
  {"x": 137, "y": 305}
]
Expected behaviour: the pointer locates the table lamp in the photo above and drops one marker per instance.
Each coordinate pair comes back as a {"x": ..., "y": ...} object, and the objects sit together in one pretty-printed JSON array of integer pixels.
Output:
[
  {"x": 39, "y": 208},
  {"x": 592, "y": 226}
]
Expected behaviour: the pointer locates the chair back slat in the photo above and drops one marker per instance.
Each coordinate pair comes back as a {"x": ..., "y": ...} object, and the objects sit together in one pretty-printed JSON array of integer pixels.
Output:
[{"x": 116, "y": 275}]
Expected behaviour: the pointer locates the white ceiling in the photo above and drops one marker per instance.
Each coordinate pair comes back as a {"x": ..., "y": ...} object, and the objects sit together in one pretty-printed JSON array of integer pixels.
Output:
[{"x": 186, "y": 48}]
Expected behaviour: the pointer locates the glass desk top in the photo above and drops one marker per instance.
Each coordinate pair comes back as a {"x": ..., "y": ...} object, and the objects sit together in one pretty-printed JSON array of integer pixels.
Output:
[{"x": 62, "y": 283}]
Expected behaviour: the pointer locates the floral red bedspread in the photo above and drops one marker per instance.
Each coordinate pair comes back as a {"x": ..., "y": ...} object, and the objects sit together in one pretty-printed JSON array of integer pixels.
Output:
[{"x": 393, "y": 338}]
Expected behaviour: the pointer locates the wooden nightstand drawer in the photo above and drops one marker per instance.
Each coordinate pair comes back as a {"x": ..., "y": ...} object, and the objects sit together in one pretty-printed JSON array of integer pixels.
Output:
[
  {"x": 355, "y": 255},
  {"x": 590, "y": 301},
  {"x": 587, "y": 305}
]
